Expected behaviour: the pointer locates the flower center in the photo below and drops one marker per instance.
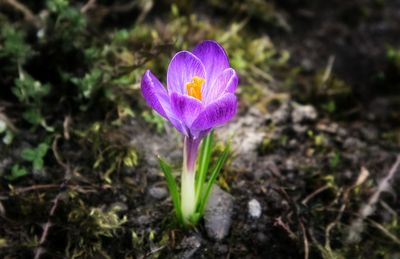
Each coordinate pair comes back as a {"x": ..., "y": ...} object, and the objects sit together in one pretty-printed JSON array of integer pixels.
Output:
[{"x": 194, "y": 87}]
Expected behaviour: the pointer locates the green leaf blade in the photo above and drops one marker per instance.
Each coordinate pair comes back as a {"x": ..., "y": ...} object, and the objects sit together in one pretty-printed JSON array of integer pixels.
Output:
[
  {"x": 205, "y": 157},
  {"x": 215, "y": 172},
  {"x": 172, "y": 187}
]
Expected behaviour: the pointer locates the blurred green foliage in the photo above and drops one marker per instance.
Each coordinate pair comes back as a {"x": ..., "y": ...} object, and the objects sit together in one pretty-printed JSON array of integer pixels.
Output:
[
  {"x": 6, "y": 132},
  {"x": 35, "y": 156},
  {"x": 17, "y": 171},
  {"x": 14, "y": 46}
]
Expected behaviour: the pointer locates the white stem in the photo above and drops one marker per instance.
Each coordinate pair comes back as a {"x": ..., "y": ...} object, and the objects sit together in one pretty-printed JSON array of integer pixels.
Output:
[
  {"x": 188, "y": 185},
  {"x": 188, "y": 195}
]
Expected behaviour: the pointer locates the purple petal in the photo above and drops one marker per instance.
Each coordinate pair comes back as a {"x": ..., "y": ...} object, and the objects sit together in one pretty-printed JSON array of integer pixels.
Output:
[
  {"x": 227, "y": 81},
  {"x": 157, "y": 98},
  {"x": 155, "y": 94},
  {"x": 217, "y": 113},
  {"x": 185, "y": 108},
  {"x": 183, "y": 67},
  {"x": 214, "y": 59}
]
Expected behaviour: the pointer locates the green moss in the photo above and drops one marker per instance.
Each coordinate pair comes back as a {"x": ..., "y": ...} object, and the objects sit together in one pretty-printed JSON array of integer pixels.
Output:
[{"x": 109, "y": 149}]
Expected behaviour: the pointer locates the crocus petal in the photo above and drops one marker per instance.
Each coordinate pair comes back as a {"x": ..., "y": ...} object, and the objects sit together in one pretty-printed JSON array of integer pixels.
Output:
[
  {"x": 214, "y": 59},
  {"x": 217, "y": 113},
  {"x": 157, "y": 97},
  {"x": 183, "y": 67},
  {"x": 227, "y": 81},
  {"x": 185, "y": 108},
  {"x": 155, "y": 94}
]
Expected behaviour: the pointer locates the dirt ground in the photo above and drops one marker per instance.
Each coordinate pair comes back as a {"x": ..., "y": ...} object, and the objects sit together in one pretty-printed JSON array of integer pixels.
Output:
[{"x": 315, "y": 142}]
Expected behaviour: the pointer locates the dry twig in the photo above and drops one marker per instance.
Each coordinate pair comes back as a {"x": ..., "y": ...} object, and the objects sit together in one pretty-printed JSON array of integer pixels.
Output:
[
  {"x": 369, "y": 208},
  {"x": 28, "y": 14},
  {"x": 89, "y": 5}
]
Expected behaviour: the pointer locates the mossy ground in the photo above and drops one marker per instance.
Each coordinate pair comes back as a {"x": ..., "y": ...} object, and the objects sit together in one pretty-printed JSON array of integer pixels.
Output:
[{"x": 79, "y": 145}]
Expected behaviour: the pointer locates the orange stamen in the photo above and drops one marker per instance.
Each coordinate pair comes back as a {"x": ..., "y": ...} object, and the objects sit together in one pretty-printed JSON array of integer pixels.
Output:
[{"x": 194, "y": 88}]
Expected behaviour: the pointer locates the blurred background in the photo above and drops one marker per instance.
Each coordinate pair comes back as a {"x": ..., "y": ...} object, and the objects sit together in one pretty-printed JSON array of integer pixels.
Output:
[{"x": 319, "y": 99}]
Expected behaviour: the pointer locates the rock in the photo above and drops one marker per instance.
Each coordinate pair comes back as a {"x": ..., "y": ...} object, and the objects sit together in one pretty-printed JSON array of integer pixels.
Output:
[
  {"x": 293, "y": 143},
  {"x": 307, "y": 64},
  {"x": 369, "y": 133},
  {"x": 218, "y": 214},
  {"x": 254, "y": 208},
  {"x": 353, "y": 144},
  {"x": 290, "y": 164},
  {"x": 222, "y": 248},
  {"x": 261, "y": 237},
  {"x": 158, "y": 192},
  {"x": 281, "y": 115},
  {"x": 190, "y": 245},
  {"x": 303, "y": 113},
  {"x": 300, "y": 129},
  {"x": 251, "y": 141},
  {"x": 143, "y": 220},
  {"x": 342, "y": 132},
  {"x": 5, "y": 163}
]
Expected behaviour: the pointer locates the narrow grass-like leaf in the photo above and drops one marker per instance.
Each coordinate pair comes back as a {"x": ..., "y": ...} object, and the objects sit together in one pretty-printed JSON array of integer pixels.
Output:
[
  {"x": 204, "y": 161},
  {"x": 215, "y": 172},
  {"x": 173, "y": 189}
]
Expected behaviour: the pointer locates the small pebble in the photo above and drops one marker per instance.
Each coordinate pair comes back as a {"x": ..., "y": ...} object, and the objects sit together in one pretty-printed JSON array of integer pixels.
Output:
[
  {"x": 218, "y": 214},
  {"x": 189, "y": 245},
  {"x": 303, "y": 113},
  {"x": 254, "y": 208},
  {"x": 281, "y": 115},
  {"x": 158, "y": 192}
]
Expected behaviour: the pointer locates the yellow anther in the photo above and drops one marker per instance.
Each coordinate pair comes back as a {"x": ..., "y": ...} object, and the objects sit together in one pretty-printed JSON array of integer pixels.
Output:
[{"x": 194, "y": 87}]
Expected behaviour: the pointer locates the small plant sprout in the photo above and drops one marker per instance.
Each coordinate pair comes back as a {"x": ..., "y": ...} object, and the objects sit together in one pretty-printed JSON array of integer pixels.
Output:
[{"x": 200, "y": 96}]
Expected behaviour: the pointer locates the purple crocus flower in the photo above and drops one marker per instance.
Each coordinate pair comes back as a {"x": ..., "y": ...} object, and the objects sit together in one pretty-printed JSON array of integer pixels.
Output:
[{"x": 199, "y": 95}]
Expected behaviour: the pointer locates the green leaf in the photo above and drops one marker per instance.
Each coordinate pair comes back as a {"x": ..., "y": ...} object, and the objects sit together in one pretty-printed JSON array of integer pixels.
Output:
[
  {"x": 16, "y": 172},
  {"x": 3, "y": 126},
  {"x": 56, "y": 6},
  {"x": 38, "y": 164},
  {"x": 42, "y": 149},
  {"x": 33, "y": 116},
  {"x": 30, "y": 91},
  {"x": 8, "y": 138},
  {"x": 14, "y": 45},
  {"x": 28, "y": 154},
  {"x": 204, "y": 161},
  {"x": 215, "y": 172},
  {"x": 172, "y": 187},
  {"x": 87, "y": 84}
]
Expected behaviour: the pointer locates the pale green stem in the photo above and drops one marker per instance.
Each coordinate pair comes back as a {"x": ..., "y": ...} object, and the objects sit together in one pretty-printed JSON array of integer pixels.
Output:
[
  {"x": 188, "y": 195},
  {"x": 188, "y": 191}
]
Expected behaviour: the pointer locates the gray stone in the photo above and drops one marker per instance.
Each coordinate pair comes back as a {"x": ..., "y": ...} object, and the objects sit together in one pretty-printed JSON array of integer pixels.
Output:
[
  {"x": 369, "y": 133},
  {"x": 254, "y": 208},
  {"x": 307, "y": 64},
  {"x": 290, "y": 164},
  {"x": 281, "y": 115},
  {"x": 303, "y": 113},
  {"x": 353, "y": 144},
  {"x": 218, "y": 214},
  {"x": 5, "y": 163},
  {"x": 293, "y": 143},
  {"x": 189, "y": 245},
  {"x": 158, "y": 192},
  {"x": 300, "y": 129}
]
